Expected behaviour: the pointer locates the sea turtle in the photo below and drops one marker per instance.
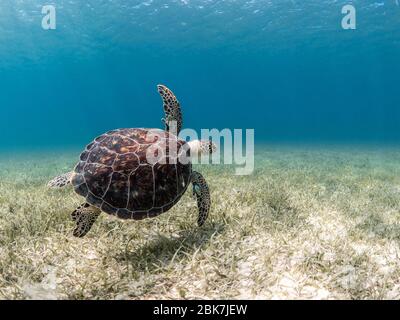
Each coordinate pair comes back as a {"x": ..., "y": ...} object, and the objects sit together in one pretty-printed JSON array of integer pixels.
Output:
[{"x": 137, "y": 173}]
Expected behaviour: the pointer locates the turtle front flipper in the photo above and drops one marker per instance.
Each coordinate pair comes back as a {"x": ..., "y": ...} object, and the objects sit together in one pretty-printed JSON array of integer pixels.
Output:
[
  {"x": 200, "y": 189},
  {"x": 60, "y": 181},
  {"x": 172, "y": 109},
  {"x": 84, "y": 216}
]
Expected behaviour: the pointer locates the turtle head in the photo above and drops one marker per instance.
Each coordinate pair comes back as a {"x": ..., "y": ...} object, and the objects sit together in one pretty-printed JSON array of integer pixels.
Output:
[{"x": 198, "y": 147}]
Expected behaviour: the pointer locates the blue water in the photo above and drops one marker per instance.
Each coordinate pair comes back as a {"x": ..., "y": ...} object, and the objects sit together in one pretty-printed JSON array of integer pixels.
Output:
[{"x": 285, "y": 68}]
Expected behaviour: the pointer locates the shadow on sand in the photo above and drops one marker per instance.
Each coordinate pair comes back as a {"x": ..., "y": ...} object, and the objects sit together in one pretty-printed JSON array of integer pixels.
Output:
[
  {"x": 161, "y": 251},
  {"x": 374, "y": 225}
]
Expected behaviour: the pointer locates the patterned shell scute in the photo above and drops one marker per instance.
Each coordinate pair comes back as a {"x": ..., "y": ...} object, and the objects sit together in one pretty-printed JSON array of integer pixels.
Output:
[{"x": 115, "y": 175}]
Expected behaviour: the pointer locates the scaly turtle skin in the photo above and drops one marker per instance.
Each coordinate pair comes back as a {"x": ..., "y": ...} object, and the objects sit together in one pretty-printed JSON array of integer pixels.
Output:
[{"x": 114, "y": 175}]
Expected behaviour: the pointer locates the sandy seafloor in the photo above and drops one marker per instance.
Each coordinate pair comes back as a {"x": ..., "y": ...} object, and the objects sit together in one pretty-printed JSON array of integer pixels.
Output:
[{"x": 310, "y": 223}]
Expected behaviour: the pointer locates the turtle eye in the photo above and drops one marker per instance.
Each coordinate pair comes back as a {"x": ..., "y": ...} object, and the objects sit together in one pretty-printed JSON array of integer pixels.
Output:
[{"x": 211, "y": 147}]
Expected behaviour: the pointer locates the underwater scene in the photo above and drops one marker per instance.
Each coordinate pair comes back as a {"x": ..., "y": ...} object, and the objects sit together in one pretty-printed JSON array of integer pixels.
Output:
[{"x": 199, "y": 149}]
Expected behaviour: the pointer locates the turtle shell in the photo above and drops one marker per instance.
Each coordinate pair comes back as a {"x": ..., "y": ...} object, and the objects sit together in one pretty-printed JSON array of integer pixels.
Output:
[{"x": 115, "y": 174}]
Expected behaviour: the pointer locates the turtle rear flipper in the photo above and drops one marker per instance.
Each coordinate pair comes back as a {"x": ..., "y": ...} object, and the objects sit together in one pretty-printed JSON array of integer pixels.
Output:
[
  {"x": 84, "y": 216},
  {"x": 200, "y": 189},
  {"x": 60, "y": 181}
]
